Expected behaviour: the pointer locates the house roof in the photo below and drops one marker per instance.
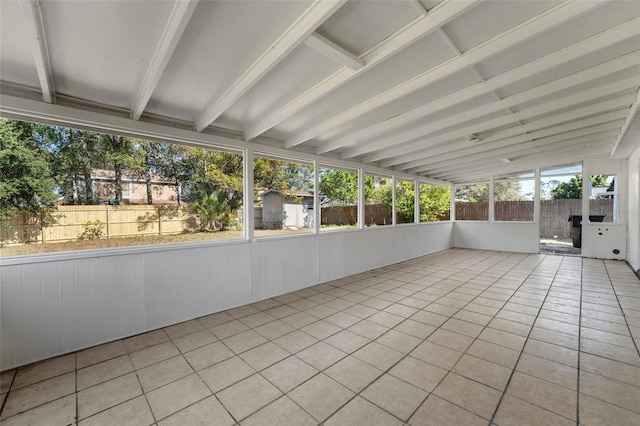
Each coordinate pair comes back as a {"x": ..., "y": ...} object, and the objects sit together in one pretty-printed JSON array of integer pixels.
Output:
[
  {"x": 290, "y": 192},
  {"x": 450, "y": 90}
]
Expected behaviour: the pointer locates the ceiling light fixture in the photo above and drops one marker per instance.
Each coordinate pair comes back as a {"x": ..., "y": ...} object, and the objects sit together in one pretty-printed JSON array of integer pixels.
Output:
[
  {"x": 506, "y": 160},
  {"x": 473, "y": 139}
]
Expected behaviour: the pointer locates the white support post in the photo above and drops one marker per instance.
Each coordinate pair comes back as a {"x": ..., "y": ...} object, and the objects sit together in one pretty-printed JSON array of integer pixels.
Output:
[
  {"x": 249, "y": 212},
  {"x": 394, "y": 221},
  {"x": 361, "y": 200},
  {"x": 492, "y": 205},
  {"x": 416, "y": 201},
  {"x": 452, "y": 208},
  {"x": 586, "y": 180},
  {"x": 316, "y": 198},
  {"x": 536, "y": 198}
]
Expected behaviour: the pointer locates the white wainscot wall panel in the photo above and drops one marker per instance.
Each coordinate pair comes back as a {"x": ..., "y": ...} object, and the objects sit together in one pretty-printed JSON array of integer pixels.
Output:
[
  {"x": 633, "y": 220},
  {"x": 520, "y": 237}
]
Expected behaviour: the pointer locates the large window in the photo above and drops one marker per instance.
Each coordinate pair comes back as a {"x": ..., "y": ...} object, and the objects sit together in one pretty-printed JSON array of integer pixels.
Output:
[
  {"x": 378, "y": 200},
  {"x": 513, "y": 198},
  {"x": 603, "y": 198},
  {"x": 435, "y": 203},
  {"x": 338, "y": 198},
  {"x": 84, "y": 190},
  {"x": 405, "y": 201},
  {"x": 284, "y": 198},
  {"x": 472, "y": 202},
  {"x": 561, "y": 203}
]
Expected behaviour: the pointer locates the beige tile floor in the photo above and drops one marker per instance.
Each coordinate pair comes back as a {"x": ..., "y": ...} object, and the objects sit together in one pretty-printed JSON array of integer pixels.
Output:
[{"x": 459, "y": 337}]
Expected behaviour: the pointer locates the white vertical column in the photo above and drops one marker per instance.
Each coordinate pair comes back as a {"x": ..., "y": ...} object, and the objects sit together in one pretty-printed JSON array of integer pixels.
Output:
[
  {"x": 249, "y": 213},
  {"x": 536, "y": 198},
  {"x": 361, "y": 201},
  {"x": 492, "y": 206},
  {"x": 316, "y": 197},
  {"x": 452, "y": 208},
  {"x": 416, "y": 203},
  {"x": 393, "y": 201},
  {"x": 585, "y": 194}
]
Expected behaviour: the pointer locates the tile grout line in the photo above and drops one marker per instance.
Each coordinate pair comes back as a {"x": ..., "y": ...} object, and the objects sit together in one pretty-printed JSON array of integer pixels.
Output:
[
  {"x": 621, "y": 308},
  {"x": 579, "y": 343},
  {"x": 504, "y": 392}
]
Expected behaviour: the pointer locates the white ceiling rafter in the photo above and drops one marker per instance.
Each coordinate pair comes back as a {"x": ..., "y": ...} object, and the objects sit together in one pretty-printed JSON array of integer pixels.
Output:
[
  {"x": 525, "y": 162},
  {"x": 394, "y": 154},
  {"x": 479, "y": 151},
  {"x": 464, "y": 163},
  {"x": 532, "y": 94},
  {"x": 333, "y": 51},
  {"x": 633, "y": 112},
  {"x": 311, "y": 19},
  {"x": 32, "y": 14},
  {"x": 414, "y": 31},
  {"x": 178, "y": 19},
  {"x": 577, "y": 50},
  {"x": 559, "y": 15}
]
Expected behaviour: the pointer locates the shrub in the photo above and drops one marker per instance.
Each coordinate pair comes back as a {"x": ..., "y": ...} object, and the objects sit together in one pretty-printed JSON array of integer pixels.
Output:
[{"x": 93, "y": 230}]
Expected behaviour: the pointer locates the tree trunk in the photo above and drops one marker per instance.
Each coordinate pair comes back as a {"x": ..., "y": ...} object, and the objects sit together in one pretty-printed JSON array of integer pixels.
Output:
[
  {"x": 85, "y": 159},
  {"x": 147, "y": 177}
]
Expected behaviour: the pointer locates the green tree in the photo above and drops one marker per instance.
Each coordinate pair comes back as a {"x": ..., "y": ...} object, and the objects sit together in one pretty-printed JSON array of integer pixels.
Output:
[
  {"x": 120, "y": 154},
  {"x": 281, "y": 175},
  {"x": 475, "y": 193},
  {"x": 25, "y": 177},
  {"x": 573, "y": 188},
  {"x": 435, "y": 201},
  {"x": 507, "y": 191},
  {"x": 214, "y": 210},
  {"x": 338, "y": 187}
]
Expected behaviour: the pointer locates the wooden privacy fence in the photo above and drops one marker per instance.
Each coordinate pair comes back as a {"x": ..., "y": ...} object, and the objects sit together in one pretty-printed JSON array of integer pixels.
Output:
[
  {"x": 68, "y": 223},
  {"x": 377, "y": 214}
]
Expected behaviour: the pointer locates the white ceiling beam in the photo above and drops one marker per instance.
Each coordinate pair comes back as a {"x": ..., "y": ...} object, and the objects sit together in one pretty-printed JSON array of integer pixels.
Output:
[
  {"x": 478, "y": 150},
  {"x": 414, "y": 31},
  {"x": 544, "y": 22},
  {"x": 512, "y": 168},
  {"x": 577, "y": 50},
  {"x": 395, "y": 155},
  {"x": 633, "y": 112},
  {"x": 318, "y": 12},
  {"x": 32, "y": 15},
  {"x": 334, "y": 52},
  {"x": 466, "y": 162},
  {"x": 532, "y": 94},
  {"x": 178, "y": 19},
  {"x": 529, "y": 161}
]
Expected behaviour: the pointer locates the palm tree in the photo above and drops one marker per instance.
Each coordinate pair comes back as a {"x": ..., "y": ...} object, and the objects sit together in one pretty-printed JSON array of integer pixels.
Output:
[{"x": 212, "y": 211}]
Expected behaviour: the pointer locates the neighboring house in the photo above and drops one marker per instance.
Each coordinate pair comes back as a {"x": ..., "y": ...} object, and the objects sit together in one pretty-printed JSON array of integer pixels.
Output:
[
  {"x": 134, "y": 188},
  {"x": 287, "y": 209}
]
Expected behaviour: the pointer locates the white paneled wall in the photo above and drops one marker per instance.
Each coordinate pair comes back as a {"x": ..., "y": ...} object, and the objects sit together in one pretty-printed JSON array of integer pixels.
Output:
[
  {"x": 633, "y": 224},
  {"x": 53, "y": 304},
  {"x": 506, "y": 236}
]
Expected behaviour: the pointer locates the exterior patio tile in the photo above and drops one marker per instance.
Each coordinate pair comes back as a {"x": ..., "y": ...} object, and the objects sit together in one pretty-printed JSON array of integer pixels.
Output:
[
  {"x": 485, "y": 372},
  {"x": 418, "y": 373},
  {"x": 378, "y": 355},
  {"x": 395, "y": 396},
  {"x": 208, "y": 355},
  {"x": 206, "y": 412},
  {"x": 281, "y": 412},
  {"x": 264, "y": 355},
  {"x": 289, "y": 373},
  {"x": 274, "y": 329},
  {"x": 295, "y": 341},
  {"x": 612, "y": 391},
  {"x": 226, "y": 373},
  {"x": 164, "y": 372},
  {"x": 353, "y": 373},
  {"x": 107, "y": 395},
  {"x": 436, "y": 354},
  {"x": 135, "y": 411},
  {"x": 398, "y": 341},
  {"x": 244, "y": 341},
  {"x": 342, "y": 319},
  {"x": 548, "y": 370},
  {"x": 59, "y": 412},
  {"x": 347, "y": 341},
  {"x": 104, "y": 371},
  {"x": 183, "y": 329},
  {"x": 100, "y": 353},
  {"x": 463, "y": 327},
  {"x": 228, "y": 329},
  {"x": 153, "y": 354},
  {"x": 451, "y": 340},
  {"x": 321, "y": 396},
  {"x": 175, "y": 396},
  {"x": 549, "y": 396},
  {"x": 415, "y": 328},
  {"x": 515, "y": 412},
  {"x": 368, "y": 329},
  {"x": 321, "y": 329},
  {"x": 6, "y": 378},
  {"x": 194, "y": 340},
  {"x": 44, "y": 370},
  {"x": 39, "y": 393},
  {"x": 141, "y": 341},
  {"x": 468, "y": 394},
  {"x": 436, "y": 412},
  {"x": 594, "y": 411},
  {"x": 248, "y": 396},
  {"x": 299, "y": 319},
  {"x": 359, "y": 411},
  {"x": 321, "y": 355},
  {"x": 611, "y": 369}
]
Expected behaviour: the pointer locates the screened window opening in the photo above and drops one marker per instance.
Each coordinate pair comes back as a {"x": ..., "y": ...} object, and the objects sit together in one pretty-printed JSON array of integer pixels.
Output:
[
  {"x": 338, "y": 190},
  {"x": 284, "y": 198},
  {"x": 405, "y": 201},
  {"x": 513, "y": 200},
  {"x": 435, "y": 203},
  {"x": 472, "y": 202},
  {"x": 378, "y": 201},
  {"x": 603, "y": 198}
]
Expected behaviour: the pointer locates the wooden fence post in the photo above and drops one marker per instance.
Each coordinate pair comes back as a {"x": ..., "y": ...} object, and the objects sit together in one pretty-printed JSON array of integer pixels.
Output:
[
  {"x": 159, "y": 221},
  {"x": 107, "y": 207}
]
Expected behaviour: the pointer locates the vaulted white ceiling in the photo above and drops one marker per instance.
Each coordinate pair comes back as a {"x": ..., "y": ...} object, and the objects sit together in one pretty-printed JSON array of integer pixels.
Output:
[{"x": 450, "y": 90}]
